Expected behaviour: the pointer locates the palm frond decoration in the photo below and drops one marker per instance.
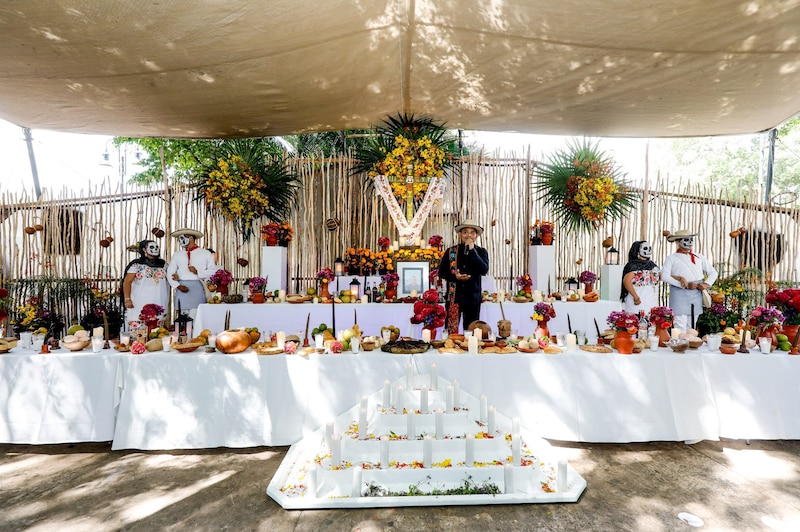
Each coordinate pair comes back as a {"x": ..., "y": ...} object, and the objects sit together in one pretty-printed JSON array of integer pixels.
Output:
[
  {"x": 243, "y": 183},
  {"x": 583, "y": 187}
]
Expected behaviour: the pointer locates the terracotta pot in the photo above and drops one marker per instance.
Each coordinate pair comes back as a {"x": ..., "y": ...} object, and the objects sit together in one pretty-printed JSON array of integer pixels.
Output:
[
  {"x": 242, "y": 262},
  {"x": 547, "y": 239},
  {"x": 272, "y": 240},
  {"x": 433, "y": 331},
  {"x": 323, "y": 291},
  {"x": 663, "y": 336},
  {"x": 624, "y": 342},
  {"x": 390, "y": 293},
  {"x": 541, "y": 330},
  {"x": 258, "y": 298},
  {"x": 771, "y": 333},
  {"x": 790, "y": 331},
  {"x": 588, "y": 288}
]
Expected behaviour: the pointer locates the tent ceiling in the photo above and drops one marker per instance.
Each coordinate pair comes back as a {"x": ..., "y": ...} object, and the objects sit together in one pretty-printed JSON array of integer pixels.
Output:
[{"x": 233, "y": 68}]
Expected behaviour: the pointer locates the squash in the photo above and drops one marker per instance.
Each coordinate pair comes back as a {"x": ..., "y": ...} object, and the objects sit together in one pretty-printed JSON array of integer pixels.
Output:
[{"x": 233, "y": 341}]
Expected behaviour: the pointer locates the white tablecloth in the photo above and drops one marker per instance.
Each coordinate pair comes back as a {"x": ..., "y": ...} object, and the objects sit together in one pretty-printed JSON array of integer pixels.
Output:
[
  {"x": 57, "y": 398},
  {"x": 581, "y": 315}
]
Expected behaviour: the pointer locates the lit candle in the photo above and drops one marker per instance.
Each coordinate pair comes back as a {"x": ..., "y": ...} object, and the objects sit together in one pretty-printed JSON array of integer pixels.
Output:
[
  {"x": 336, "y": 450},
  {"x": 384, "y": 452},
  {"x": 456, "y": 394},
  {"x": 387, "y": 393},
  {"x": 501, "y": 296},
  {"x": 355, "y": 492},
  {"x": 472, "y": 344},
  {"x": 434, "y": 377},
  {"x": 515, "y": 450},
  {"x": 427, "y": 451},
  {"x": 410, "y": 377},
  {"x": 426, "y": 335},
  {"x": 399, "y": 399},
  {"x": 490, "y": 423},
  {"x": 469, "y": 454},
  {"x": 423, "y": 400},
  {"x": 280, "y": 337},
  {"x": 439, "y": 418},
  {"x": 329, "y": 435},
  {"x": 572, "y": 342},
  {"x": 362, "y": 423},
  {"x": 515, "y": 426},
  {"x": 561, "y": 477},
  {"x": 125, "y": 338},
  {"x": 414, "y": 293},
  {"x": 508, "y": 477},
  {"x": 484, "y": 409},
  {"x": 449, "y": 399},
  {"x": 411, "y": 429}
]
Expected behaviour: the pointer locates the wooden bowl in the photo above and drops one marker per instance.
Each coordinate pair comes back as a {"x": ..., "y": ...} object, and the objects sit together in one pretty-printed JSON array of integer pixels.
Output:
[
  {"x": 77, "y": 345},
  {"x": 188, "y": 349},
  {"x": 368, "y": 346}
]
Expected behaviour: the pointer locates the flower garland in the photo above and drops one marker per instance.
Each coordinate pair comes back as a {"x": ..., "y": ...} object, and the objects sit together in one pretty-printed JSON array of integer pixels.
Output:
[
  {"x": 583, "y": 187},
  {"x": 432, "y": 256}
]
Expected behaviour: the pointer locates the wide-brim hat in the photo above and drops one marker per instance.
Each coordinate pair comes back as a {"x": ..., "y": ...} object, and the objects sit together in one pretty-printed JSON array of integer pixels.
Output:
[
  {"x": 186, "y": 231},
  {"x": 469, "y": 223},
  {"x": 677, "y": 235}
]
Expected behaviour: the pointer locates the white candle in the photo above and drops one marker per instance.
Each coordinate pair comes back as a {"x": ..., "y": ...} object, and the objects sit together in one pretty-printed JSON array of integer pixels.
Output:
[
  {"x": 362, "y": 423},
  {"x": 282, "y": 295},
  {"x": 456, "y": 394},
  {"x": 399, "y": 399},
  {"x": 426, "y": 335},
  {"x": 125, "y": 338},
  {"x": 469, "y": 460},
  {"x": 340, "y": 336},
  {"x": 410, "y": 377},
  {"x": 478, "y": 333},
  {"x": 423, "y": 400},
  {"x": 508, "y": 478},
  {"x": 472, "y": 344},
  {"x": 515, "y": 450},
  {"x": 336, "y": 450},
  {"x": 748, "y": 337},
  {"x": 449, "y": 400},
  {"x": 411, "y": 429},
  {"x": 384, "y": 452},
  {"x": 561, "y": 477},
  {"x": 414, "y": 293},
  {"x": 364, "y": 300},
  {"x": 676, "y": 333},
  {"x": 315, "y": 300},
  {"x": 484, "y": 409},
  {"x": 166, "y": 343},
  {"x": 387, "y": 394},
  {"x": 417, "y": 242},
  {"x": 439, "y": 417},
  {"x": 329, "y": 435},
  {"x": 358, "y": 471},
  {"x": 490, "y": 423},
  {"x": 501, "y": 296},
  {"x": 319, "y": 341},
  {"x": 395, "y": 245},
  {"x": 280, "y": 337},
  {"x": 427, "y": 451},
  {"x": 572, "y": 342},
  {"x": 515, "y": 426},
  {"x": 97, "y": 331},
  {"x": 311, "y": 481},
  {"x": 364, "y": 402},
  {"x": 434, "y": 377}
]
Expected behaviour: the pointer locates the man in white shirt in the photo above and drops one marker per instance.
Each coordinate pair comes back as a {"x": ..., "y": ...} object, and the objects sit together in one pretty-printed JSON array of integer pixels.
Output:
[
  {"x": 688, "y": 274},
  {"x": 188, "y": 268}
]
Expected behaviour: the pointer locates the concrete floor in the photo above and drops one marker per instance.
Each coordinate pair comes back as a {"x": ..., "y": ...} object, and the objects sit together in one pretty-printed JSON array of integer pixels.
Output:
[{"x": 728, "y": 484}]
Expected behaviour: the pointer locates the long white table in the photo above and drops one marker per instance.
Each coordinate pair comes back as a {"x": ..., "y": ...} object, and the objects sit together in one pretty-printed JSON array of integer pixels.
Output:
[{"x": 372, "y": 316}]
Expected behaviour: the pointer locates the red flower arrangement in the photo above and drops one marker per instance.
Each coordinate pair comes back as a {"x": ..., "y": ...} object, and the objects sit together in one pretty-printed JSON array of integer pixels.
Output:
[
  {"x": 623, "y": 321},
  {"x": 435, "y": 241},
  {"x": 151, "y": 312},
  {"x": 391, "y": 279},
  {"x": 221, "y": 277},
  {"x": 662, "y": 317},
  {"x": 788, "y": 302},
  {"x": 428, "y": 311},
  {"x": 524, "y": 280},
  {"x": 546, "y": 228},
  {"x": 383, "y": 242},
  {"x": 326, "y": 275},
  {"x": 587, "y": 277}
]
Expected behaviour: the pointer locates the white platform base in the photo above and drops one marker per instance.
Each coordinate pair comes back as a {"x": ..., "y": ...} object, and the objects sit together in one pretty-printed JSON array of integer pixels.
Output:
[
  {"x": 542, "y": 268},
  {"x": 273, "y": 267},
  {"x": 611, "y": 281}
]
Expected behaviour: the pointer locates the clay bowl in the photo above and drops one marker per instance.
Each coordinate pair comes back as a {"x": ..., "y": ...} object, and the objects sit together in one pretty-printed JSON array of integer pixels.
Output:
[
  {"x": 728, "y": 349},
  {"x": 368, "y": 346},
  {"x": 77, "y": 345}
]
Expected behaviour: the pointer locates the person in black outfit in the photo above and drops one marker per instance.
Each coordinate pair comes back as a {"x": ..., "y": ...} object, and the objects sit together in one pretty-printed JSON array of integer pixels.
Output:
[{"x": 462, "y": 267}]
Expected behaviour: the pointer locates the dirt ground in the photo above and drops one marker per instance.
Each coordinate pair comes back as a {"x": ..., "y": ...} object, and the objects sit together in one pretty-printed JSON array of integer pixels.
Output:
[{"x": 730, "y": 485}]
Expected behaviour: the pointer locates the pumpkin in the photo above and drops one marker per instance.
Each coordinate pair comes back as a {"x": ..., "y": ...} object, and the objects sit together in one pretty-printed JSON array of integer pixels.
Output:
[{"x": 231, "y": 342}]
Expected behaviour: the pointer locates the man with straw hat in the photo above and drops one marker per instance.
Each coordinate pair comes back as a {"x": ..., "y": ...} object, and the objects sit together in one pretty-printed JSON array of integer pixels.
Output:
[
  {"x": 187, "y": 270},
  {"x": 462, "y": 267},
  {"x": 689, "y": 274}
]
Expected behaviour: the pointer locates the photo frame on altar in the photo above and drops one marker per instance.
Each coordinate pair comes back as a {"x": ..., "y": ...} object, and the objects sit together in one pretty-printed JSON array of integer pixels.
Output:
[{"x": 413, "y": 277}]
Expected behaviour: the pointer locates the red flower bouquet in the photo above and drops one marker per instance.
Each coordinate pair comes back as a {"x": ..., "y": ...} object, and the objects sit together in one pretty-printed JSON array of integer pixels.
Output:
[
  {"x": 587, "y": 277},
  {"x": 662, "y": 317},
  {"x": 788, "y": 302},
  {"x": 524, "y": 280},
  {"x": 383, "y": 242},
  {"x": 428, "y": 311},
  {"x": 221, "y": 277},
  {"x": 623, "y": 321},
  {"x": 435, "y": 241},
  {"x": 151, "y": 312}
]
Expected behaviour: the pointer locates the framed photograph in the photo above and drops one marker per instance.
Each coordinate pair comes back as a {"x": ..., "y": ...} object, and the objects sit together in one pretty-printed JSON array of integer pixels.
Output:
[{"x": 413, "y": 278}]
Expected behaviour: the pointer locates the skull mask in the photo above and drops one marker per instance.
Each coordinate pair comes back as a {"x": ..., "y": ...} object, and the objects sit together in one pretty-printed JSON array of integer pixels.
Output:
[
  {"x": 152, "y": 249},
  {"x": 645, "y": 250},
  {"x": 686, "y": 243},
  {"x": 183, "y": 240}
]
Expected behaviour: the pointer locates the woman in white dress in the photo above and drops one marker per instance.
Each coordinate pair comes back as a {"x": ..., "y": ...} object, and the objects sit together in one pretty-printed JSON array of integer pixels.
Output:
[
  {"x": 145, "y": 281},
  {"x": 640, "y": 279}
]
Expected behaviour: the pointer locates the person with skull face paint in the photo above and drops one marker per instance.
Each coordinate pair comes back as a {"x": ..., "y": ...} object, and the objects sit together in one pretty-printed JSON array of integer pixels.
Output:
[
  {"x": 145, "y": 281},
  {"x": 688, "y": 274},
  {"x": 640, "y": 279},
  {"x": 188, "y": 268}
]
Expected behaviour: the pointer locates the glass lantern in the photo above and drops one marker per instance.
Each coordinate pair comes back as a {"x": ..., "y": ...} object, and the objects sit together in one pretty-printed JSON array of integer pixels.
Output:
[{"x": 612, "y": 256}]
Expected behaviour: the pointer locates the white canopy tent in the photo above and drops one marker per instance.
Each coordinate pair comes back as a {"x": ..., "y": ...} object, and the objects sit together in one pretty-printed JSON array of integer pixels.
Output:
[{"x": 234, "y": 68}]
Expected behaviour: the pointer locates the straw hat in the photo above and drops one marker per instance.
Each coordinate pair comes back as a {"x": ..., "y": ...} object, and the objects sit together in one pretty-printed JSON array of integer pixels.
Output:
[
  {"x": 677, "y": 235},
  {"x": 469, "y": 223},
  {"x": 185, "y": 231}
]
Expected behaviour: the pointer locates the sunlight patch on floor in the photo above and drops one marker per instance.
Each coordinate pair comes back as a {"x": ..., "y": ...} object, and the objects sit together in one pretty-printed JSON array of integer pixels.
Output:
[
  {"x": 792, "y": 525},
  {"x": 758, "y": 464}
]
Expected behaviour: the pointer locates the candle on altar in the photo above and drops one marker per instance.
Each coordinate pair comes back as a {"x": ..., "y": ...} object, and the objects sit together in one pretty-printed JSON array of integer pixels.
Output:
[
  {"x": 515, "y": 450},
  {"x": 449, "y": 399},
  {"x": 537, "y": 296},
  {"x": 364, "y": 402},
  {"x": 472, "y": 344},
  {"x": 410, "y": 377},
  {"x": 355, "y": 491},
  {"x": 315, "y": 300},
  {"x": 478, "y": 333},
  {"x": 362, "y": 423},
  {"x": 456, "y": 394},
  {"x": 515, "y": 426},
  {"x": 490, "y": 423},
  {"x": 319, "y": 341},
  {"x": 384, "y": 452},
  {"x": 395, "y": 245},
  {"x": 399, "y": 400},
  {"x": 434, "y": 377},
  {"x": 748, "y": 336},
  {"x": 508, "y": 478},
  {"x": 484, "y": 409},
  {"x": 282, "y": 295},
  {"x": 562, "y": 484},
  {"x": 329, "y": 435},
  {"x": 280, "y": 337},
  {"x": 572, "y": 342},
  {"x": 439, "y": 419},
  {"x": 423, "y": 400},
  {"x": 469, "y": 454},
  {"x": 336, "y": 450},
  {"x": 411, "y": 428},
  {"x": 427, "y": 451},
  {"x": 417, "y": 242},
  {"x": 387, "y": 393},
  {"x": 364, "y": 300},
  {"x": 426, "y": 335},
  {"x": 97, "y": 331}
]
